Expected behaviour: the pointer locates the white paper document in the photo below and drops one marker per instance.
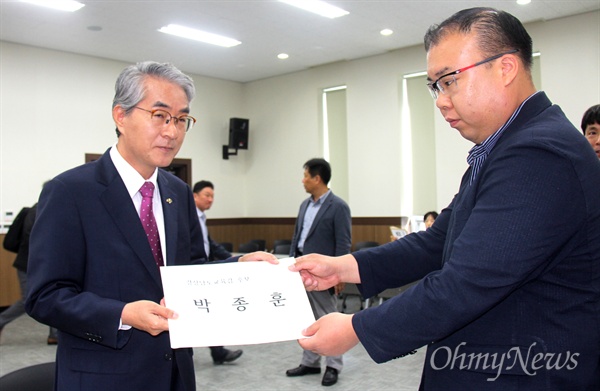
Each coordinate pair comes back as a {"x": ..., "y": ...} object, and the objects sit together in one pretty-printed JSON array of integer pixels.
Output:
[{"x": 239, "y": 303}]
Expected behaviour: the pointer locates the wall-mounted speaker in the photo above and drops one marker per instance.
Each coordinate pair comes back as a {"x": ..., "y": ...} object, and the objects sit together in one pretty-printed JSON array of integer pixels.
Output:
[{"x": 238, "y": 133}]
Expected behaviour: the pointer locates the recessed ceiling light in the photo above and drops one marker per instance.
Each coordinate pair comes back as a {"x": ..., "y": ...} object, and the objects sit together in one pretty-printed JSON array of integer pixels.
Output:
[
  {"x": 62, "y": 5},
  {"x": 386, "y": 32},
  {"x": 199, "y": 35},
  {"x": 318, "y": 7},
  {"x": 523, "y": 2},
  {"x": 283, "y": 56}
]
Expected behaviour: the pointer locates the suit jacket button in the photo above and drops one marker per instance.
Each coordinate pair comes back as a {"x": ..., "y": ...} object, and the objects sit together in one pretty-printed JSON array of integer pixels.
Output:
[{"x": 168, "y": 356}]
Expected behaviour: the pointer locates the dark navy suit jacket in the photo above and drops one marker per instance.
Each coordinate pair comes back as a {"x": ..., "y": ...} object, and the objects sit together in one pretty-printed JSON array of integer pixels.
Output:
[
  {"x": 510, "y": 298},
  {"x": 89, "y": 256}
]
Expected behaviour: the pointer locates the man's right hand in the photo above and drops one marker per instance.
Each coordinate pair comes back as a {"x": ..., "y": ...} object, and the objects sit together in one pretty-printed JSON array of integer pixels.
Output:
[
  {"x": 320, "y": 272},
  {"x": 147, "y": 316}
]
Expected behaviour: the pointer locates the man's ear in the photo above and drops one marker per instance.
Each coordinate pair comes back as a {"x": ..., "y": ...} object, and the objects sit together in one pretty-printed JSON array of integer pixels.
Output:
[
  {"x": 119, "y": 115},
  {"x": 510, "y": 68}
]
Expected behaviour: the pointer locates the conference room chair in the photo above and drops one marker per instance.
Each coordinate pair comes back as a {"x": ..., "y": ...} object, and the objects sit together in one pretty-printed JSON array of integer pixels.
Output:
[
  {"x": 277, "y": 242},
  {"x": 39, "y": 377},
  {"x": 249, "y": 247},
  {"x": 262, "y": 244},
  {"x": 389, "y": 293},
  {"x": 282, "y": 249},
  {"x": 227, "y": 246},
  {"x": 351, "y": 290},
  {"x": 366, "y": 244}
]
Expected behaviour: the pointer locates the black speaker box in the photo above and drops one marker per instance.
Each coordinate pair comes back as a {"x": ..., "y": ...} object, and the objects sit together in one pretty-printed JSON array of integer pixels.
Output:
[{"x": 238, "y": 133}]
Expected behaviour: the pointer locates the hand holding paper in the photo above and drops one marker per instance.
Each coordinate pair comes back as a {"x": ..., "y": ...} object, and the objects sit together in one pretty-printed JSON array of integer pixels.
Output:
[
  {"x": 331, "y": 335},
  {"x": 320, "y": 272},
  {"x": 235, "y": 303}
]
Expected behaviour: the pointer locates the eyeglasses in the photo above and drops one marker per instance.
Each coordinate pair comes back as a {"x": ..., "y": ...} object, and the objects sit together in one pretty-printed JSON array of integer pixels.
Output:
[
  {"x": 447, "y": 85},
  {"x": 161, "y": 118}
]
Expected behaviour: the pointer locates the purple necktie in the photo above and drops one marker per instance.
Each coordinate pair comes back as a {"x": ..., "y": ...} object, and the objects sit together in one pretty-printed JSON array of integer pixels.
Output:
[{"x": 149, "y": 223}]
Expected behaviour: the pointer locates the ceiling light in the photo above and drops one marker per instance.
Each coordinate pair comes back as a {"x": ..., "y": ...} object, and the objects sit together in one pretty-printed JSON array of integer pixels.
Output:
[
  {"x": 318, "y": 7},
  {"x": 386, "y": 32},
  {"x": 198, "y": 35},
  {"x": 523, "y": 2},
  {"x": 62, "y": 5},
  {"x": 283, "y": 56}
]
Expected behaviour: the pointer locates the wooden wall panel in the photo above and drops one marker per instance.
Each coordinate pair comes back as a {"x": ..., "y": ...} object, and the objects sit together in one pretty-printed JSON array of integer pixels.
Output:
[
  {"x": 10, "y": 291},
  {"x": 238, "y": 231}
]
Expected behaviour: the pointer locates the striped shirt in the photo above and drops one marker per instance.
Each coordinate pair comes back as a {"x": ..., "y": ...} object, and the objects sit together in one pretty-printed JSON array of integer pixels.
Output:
[{"x": 480, "y": 152}]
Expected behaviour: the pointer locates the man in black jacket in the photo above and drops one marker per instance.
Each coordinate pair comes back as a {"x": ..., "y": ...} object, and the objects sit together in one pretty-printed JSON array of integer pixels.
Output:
[{"x": 22, "y": 241}]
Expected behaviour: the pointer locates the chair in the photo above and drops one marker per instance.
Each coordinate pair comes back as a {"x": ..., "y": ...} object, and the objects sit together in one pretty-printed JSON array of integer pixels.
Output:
[
  {"x": 389, "y": 293},
  {"x": 39, "y": 377},
  {"x": 367, "y": 244},
  {"x": 282, "y": 249},
  {"x": 227, "y": 246},
  {"x": 262, "y": 244},
  {"x": 281, "y": 241},
  {"x": 249, "y": 247},
  {"x": 350, "y": 289}
]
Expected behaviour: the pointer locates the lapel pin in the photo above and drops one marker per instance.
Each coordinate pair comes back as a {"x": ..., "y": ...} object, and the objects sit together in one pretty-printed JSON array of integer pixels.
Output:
[{"x": 169, "y": 201}]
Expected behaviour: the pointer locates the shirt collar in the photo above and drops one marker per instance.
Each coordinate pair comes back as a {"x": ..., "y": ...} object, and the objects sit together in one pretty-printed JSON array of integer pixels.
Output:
[
  {"x": 132, "y": 179},
  {"x": 321, "y": 199},
  {"x": 486, "y": 146}
]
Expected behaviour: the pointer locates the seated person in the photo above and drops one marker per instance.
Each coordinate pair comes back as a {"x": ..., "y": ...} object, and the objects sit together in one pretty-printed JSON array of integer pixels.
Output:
[{"x": 590, "y": 125}]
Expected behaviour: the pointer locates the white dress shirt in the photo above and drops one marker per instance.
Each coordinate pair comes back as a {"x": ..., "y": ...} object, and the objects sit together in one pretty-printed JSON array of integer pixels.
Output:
[
  {"x": 133, "y": 182},
  {"x": 202, "y": 218}
]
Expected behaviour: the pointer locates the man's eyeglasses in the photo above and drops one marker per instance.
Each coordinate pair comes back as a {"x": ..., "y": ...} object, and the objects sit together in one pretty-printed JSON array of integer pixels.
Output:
[
  {"x": 161, "y": 118},
  {"x": 446, "y": 83}
]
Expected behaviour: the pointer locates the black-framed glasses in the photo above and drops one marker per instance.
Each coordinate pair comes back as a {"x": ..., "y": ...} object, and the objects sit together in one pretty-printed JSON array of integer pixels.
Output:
[
  {"x": 445, "y": 83},
  {"x": 161, "y": 117}
]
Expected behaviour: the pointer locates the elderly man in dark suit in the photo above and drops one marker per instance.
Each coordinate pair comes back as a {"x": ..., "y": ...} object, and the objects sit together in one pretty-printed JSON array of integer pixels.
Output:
[
  {"x": 102, "y": 232},
  {"x": 324, "y": 226},
  {"x": 510, "y": 291}
]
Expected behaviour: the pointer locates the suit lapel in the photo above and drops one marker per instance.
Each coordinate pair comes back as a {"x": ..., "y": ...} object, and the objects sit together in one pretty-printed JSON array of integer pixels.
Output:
[
  {"x": 326, "y": 205},
  {"x": 119, "y": 206},
  {"x": 299, "y": 223},
  {"x": 169, "y": 204}
]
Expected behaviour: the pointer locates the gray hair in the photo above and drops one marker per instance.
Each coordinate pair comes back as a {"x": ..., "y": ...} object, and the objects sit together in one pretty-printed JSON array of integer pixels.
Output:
[{"x": 129, "y": 88}]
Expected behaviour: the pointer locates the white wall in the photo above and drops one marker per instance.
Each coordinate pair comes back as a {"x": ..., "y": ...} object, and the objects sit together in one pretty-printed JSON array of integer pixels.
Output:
[
  {"x": 56, "y": 106},
  {"x": 287, "y": 109},
  {"x": 570, "y": 61}
]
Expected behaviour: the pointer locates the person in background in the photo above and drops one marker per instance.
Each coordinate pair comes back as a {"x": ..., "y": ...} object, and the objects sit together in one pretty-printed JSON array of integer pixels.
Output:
[
  {"x": 509, "y": 296},
  {"x": 429, "y": 218},
  {"x": 102, "y": 232},
  {"x": 18, "y": 307},
  {"x": 590, "y": 125},
  {"x": 323, "y": 226},
  {"x": 204, "y": 195}
]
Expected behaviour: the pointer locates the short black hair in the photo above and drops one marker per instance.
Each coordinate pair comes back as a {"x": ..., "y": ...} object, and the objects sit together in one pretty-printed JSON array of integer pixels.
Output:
[
  {"x": 201, "y": 185},
  {"x": 590, "y": 117},
  {"x": 320, "y": 167},
  {"x": 497, "y": 32},
  {"x": 434, "y": 214}
]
